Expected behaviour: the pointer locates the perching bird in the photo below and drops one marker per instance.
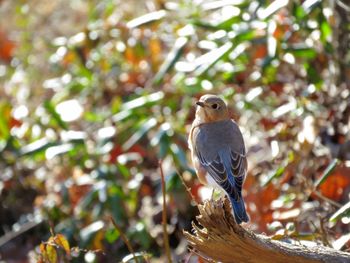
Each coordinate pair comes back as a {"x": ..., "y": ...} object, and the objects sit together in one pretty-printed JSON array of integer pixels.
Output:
[{"x": 218, "y": 151}]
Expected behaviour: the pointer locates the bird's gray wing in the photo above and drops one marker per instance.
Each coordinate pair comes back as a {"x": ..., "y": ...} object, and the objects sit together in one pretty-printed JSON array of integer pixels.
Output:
[{"x": 220, "y": 150}]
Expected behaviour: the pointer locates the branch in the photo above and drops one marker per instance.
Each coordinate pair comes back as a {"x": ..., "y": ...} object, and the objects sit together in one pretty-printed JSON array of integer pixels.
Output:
[
  {"x": 219, "y": 238},
  {"x": 125, "y": 239},
  {"x": 164, "y": 215}
]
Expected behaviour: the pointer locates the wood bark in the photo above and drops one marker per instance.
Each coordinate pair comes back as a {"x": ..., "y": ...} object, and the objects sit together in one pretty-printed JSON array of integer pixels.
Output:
[{"x": 217, "y": 237}]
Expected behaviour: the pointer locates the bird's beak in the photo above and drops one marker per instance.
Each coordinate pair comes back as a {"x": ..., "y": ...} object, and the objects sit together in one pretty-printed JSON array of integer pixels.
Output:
[{"x": 199, "y": 103}]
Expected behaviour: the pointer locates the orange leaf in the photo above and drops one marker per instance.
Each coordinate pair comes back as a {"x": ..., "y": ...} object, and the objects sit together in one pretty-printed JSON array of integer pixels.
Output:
[
  {"x": 6, "y": 47},
  {"x": 68, "y": 58},
  {"x": 155, "y": 48},
  {"x": 259, "y": 51},
  {"x": 258, "y": 202},
  {"x": 43, "y": 250},
  {"x": 335, "y": 184},
  {"x": 195, "y": 191},
  {"x": 98, "y": 240},
  {"x": 277, "y": 87},
  {"x": 14, "y": 122},
  {"x": 130, "y": 56},
  {"x": 268, "y": 123},
  {"x": 61, "y": 241},
  {"x": 241, "y": 77},
  {"x": 280, "y": 31},
  {"x": 116, "y": 151},
  {"x": 76, "y": 192}
]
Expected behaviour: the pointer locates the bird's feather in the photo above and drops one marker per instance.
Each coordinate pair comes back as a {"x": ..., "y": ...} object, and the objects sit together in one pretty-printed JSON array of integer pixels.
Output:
[
  {"x": 223, "y": 159},
  {"x": 218, "y": 151}
]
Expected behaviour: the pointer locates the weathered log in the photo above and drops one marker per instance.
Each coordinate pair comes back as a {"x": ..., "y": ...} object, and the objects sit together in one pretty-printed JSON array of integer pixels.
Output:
[{"x": 219, "y": 238}]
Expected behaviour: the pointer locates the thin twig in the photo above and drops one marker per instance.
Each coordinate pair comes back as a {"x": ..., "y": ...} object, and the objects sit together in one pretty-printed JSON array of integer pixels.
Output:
[
  {"x": 189, "y": 257},
  {"x": 324, "y": 233},
  {"x": 125, "y": 239},
  {"x": 164, "y": 215},
  {"x": 319, "y": 195},
  {"x": 23, "y": 228},
  {"x": 52, "y": 228},
  {"x": 343, "y": 5},
  {"x": 313, "y": 190},
  {"x": 188, "y": 189}
]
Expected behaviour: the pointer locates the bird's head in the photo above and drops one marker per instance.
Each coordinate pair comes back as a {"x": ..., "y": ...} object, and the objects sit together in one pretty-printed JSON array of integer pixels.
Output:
[{"x": 211, "y": 108}]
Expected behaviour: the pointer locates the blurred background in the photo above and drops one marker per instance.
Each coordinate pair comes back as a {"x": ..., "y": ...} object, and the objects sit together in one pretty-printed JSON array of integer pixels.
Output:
[{"x": 94, "y": 93}]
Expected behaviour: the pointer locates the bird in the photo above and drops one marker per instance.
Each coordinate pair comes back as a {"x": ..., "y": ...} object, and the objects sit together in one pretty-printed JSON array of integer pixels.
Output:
[{"x": 218, "y": 151}]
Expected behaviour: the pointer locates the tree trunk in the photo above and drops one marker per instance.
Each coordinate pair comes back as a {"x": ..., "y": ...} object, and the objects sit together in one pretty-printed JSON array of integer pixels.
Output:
[{"x": 219, "y": 238}]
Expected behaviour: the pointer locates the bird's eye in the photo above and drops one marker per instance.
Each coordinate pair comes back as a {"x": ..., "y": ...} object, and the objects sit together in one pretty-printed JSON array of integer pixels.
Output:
[{"x": 214, "y": 106}]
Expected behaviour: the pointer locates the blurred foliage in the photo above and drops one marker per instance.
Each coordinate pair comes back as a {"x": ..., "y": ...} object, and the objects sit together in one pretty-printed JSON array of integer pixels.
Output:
[{"x": 94, "y": 93}]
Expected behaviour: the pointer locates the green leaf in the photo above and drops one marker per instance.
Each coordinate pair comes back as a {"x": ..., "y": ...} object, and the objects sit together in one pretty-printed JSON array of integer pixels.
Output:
[
  {"x": 206, "y": 61},
  {"x": 239, "y": 49},
  {"x": 74, "y": 136},
  {"x": 171, "y": 59},
  {"x": 179, "y": 155},
  {"x": 327, "y": 172},
  {"x": 204, "y": 25},
  {"x": 112, "y": 235},
  {"x": 278, "y": 173},
  {"x": 88, "y": 232},
  {"x": 37, "y": 146},
  {"x": 245, "y": 35},
  {"x": 276, "y": 5},
  {"x": 310, "y": 5},
  {"x": 163, "y": 129},
  {"x": 313, "y": 75},
  {"x": 137, "y": 103},
  {"x": 164, "y": 147},
  {"x": 93, "y": 117},
  {"x": 342, "y": 212},
  {"x": 5, "y": 110},
  {"x": 87, "y": 200},
  {"x": 116, "y": 204},
  {"x": 144, "y": 128},
  {"x": 146, "y": 19},
  {"x": 51, "y": 109},
  {"x": 122, "y": 115},
  {"x": 51, "y": 253},
  {"x": 123, "y": 170},
  {"x": 326, "y": 30},
  {"x": 227, "y": 24},
  {"x": 302, "y": 51},
  {"x": 140, "y": 235},
  {"x": 298, "y": 12},
  {"x": 53, "y": 151},
  {"x": 174, "y": 182}
]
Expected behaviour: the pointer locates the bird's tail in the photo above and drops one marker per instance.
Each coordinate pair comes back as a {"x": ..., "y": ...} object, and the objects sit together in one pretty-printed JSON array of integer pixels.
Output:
[{"x": 239, "y": 210}]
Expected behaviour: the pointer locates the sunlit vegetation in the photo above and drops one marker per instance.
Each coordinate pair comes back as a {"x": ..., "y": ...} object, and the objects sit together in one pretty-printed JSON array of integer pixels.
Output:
[{"x": 94, "y": 93}]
